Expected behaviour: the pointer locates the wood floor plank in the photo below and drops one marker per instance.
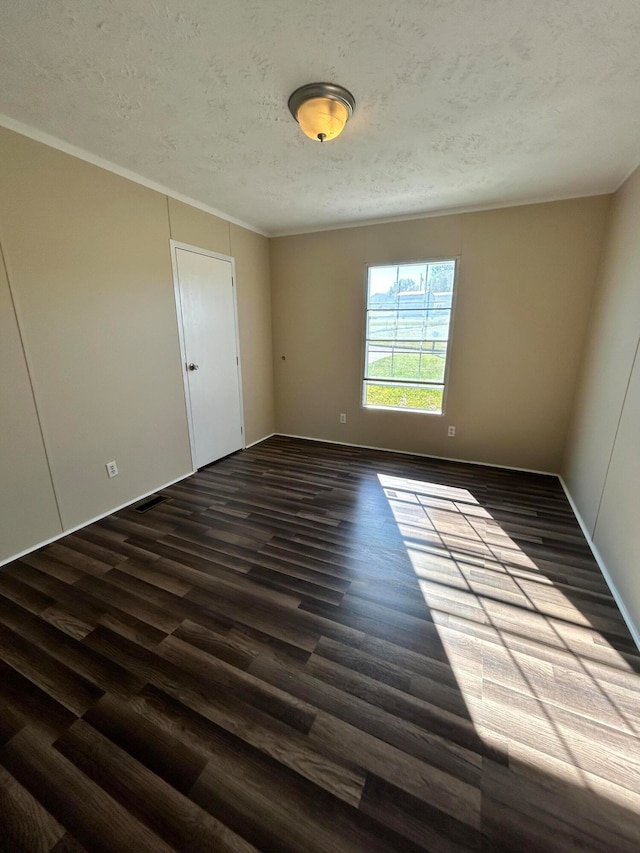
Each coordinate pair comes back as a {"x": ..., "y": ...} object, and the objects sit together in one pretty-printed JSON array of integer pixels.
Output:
[
  {"x": 439, "y": 726},
  {"x": 160, "y": 751},
  {"x": 98, "y": 670},
  {"x": 241, "y": 685},
  {"x": 72, "y": 690},
  {"x": 173, "y": 816},
  {"x": 152, "y": 574},
  {"x": 549, "y": 817},
  {"x": 61, "y": 619},
  {"x": 24, "y": 823},
  {"x": 32, "y": 705},
  {"x": 425, "y": 781},
  {"x": 133, "y": 605},
  {"x": 16, "y": 590},
  {"x": 416, "y": 820},
  {"x": 280, "y": 811},
  {"x": 197, "y": 725},
  {"x": 397, "y": 702},
  {"x": 80, "y": 805},
  {"x": 10, "y": 721}
]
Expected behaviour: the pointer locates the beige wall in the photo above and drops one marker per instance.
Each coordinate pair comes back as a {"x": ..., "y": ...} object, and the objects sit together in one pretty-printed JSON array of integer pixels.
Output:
[
  {"x": 89, "y": 266},
  {"x": 602, "y": 460},
  {"x": 524, "y": 290},
  {"x": 198, "y": 228},
  {"x": 27, "y": 503}
]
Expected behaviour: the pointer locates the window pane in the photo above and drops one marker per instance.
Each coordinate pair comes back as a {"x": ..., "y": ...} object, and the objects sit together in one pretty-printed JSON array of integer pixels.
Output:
[
  {"x": 404, "y": 397},
  {"x": 382, "y": 284},
  {"x": 440, "y": 278},
  {"x": 410, "y": 300},
  {"x": 408, "y": 318},
  {"x": 388, "y": 285},
  {"x": 423, "y": 360},
  {"x": 408, "y": 325}
]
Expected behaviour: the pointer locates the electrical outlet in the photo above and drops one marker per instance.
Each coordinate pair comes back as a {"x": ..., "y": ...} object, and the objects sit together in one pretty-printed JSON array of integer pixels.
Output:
[
  {"x": 343, "y": 418},
  {"x": 451, "y": 431},
  {"x": 112, "y": 469}
]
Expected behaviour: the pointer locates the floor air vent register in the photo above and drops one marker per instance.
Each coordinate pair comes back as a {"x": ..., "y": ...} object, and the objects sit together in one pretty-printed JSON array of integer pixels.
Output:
[{"x": 149, "y": 503}]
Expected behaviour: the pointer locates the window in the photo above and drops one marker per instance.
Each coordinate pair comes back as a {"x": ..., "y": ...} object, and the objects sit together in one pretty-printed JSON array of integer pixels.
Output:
[{"x": 407, "y": 335}]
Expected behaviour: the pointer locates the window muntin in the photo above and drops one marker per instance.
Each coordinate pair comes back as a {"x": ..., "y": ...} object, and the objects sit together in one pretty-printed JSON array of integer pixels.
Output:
[{"x": 407, "y": 332}]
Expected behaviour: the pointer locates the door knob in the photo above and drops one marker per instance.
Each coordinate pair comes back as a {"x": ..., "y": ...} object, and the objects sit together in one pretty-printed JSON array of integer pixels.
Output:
[{"x": 193, "y": 366}]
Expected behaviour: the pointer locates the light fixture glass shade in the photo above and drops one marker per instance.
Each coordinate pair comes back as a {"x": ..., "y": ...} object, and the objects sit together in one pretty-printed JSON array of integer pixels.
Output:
[
  {"x": 322, "y": 118},
  {"x": 322, "y": 109}
]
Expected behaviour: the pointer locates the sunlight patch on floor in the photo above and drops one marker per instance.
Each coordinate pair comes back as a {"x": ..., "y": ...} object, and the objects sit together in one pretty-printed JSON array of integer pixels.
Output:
[{"x": 491, "y": 600}]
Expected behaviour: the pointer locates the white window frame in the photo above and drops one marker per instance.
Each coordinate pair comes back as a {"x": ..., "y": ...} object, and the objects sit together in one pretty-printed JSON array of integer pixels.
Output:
[{"x": 412, "y": 383}]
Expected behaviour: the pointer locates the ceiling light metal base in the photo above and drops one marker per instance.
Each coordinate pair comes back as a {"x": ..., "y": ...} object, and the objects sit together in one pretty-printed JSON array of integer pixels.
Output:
[{"x": 321, "y": 90}]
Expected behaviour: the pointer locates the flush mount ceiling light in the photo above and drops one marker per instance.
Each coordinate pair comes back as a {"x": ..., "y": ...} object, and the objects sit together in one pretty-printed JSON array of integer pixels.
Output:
[{"x": 322, "y": 109}]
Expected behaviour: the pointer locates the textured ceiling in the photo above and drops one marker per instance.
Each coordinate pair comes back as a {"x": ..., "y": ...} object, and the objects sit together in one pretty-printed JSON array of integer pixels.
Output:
[{"x": 461, "y": 103}]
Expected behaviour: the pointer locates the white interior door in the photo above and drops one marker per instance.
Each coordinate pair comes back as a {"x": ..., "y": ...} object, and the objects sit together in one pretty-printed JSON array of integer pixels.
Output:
[{"x": 211, "y": 361}]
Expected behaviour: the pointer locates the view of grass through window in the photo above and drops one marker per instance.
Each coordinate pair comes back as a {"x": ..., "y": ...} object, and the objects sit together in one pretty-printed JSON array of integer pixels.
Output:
[{"x": 407, "y": 334}]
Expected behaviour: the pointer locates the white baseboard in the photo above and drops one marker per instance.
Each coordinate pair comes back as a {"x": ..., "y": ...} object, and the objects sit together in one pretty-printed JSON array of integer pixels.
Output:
[
  {"x": 633, "y": 630},
  {"x": 258, "y": 441},
  {"x": 91, "y": 520},
  {"x": 413, "y": 453}
]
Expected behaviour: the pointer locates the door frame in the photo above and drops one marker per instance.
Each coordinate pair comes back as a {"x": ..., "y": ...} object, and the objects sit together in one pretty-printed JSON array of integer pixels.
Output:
[{"x": 175, "y": 244}]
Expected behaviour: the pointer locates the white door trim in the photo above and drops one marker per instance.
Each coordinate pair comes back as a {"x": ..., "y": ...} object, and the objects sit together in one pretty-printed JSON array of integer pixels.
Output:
[{"x": 175, "y": 244}]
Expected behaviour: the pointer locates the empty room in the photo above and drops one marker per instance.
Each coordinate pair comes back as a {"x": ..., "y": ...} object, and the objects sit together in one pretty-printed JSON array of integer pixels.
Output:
[{"x": 319, "y": 418}]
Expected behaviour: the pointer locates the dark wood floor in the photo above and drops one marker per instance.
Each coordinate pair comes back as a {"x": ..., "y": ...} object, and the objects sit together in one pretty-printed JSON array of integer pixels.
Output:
[{"x": 317, "y": 648}]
